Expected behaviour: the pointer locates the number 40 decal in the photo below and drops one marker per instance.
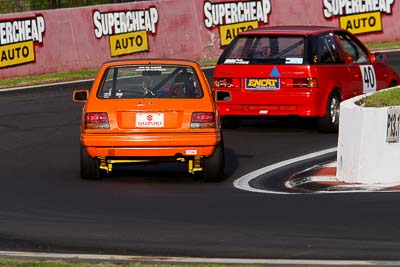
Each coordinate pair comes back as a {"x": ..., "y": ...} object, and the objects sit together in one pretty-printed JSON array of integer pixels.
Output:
[{"x": 368, "y": 78}]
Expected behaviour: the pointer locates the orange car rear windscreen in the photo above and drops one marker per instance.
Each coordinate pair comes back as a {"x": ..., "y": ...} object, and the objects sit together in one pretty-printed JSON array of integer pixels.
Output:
[{"x": 150, "y": 81}]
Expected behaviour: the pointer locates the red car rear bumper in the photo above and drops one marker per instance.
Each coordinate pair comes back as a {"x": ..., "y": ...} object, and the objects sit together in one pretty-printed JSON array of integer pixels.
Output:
[{"x": 304, "y": 105}]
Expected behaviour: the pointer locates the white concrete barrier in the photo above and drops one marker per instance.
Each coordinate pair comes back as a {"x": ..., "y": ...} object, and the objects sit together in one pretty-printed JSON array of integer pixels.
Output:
[{"x": 368, "y": 152}]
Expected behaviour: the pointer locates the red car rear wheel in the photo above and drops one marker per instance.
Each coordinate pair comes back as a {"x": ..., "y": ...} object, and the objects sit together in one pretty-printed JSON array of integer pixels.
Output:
[{"x": 330, "y": 122}]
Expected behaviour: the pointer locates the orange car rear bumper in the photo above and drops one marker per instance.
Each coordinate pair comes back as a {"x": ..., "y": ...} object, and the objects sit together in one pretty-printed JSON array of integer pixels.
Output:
[{"x": 99, "y": 145}]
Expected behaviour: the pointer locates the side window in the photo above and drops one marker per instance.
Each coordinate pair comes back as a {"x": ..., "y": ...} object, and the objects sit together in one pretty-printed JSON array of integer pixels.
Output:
[
  {"x": 352, "y": 50},
  {"x": 324, "y": 50},
  {"x": 108, "y": 87}
]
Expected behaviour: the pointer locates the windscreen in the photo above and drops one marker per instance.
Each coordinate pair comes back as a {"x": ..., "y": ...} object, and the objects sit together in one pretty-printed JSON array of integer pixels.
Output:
[
  {"x": 264, "y": 50},
  {"x": 150, "y": 81}
]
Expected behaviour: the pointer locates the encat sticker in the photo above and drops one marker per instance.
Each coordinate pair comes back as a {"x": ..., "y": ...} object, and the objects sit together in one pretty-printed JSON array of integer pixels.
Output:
[{"x": 262, "y": 84}]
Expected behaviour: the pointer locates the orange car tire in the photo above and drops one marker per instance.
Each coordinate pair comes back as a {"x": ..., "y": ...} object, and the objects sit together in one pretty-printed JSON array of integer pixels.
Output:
[
  {"x": 89, "y": 166},
  {"x": 213, "y": 166}
]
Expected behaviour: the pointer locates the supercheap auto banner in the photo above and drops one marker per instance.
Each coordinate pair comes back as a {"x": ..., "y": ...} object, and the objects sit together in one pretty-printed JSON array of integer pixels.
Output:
[
  {"x": 235, "y": 17},
  {"x": 18, "y": 38},
  {"x": 359, "y": 17},
  {"x": 83, "y": 38},
  {"x": 127, "y": 30}
]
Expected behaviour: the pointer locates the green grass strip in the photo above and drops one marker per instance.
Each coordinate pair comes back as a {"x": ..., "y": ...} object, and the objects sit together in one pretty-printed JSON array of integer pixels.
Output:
[{"x": 382, "y": 99}]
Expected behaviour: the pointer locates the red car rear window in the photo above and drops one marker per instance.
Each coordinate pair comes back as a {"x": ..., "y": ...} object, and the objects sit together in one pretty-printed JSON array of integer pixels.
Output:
[{"x": 265, "y": 50}]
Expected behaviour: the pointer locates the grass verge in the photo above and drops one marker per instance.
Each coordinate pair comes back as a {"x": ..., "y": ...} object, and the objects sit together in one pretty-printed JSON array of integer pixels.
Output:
[
  {"x": 382, "y": 99},
  {"x": 385, "y": 45},
  {"x": 64, "y": 77},
  {"x": 11, "y": 262},
  {"x": 48, "y": 78}
]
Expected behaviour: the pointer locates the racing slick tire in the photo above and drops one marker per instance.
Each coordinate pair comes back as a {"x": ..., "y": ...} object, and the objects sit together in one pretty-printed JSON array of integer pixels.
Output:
[
  {"x": 89, "y": 166},
  {"x": 330, "y": 122},
  {"x": 213, "y": 166}
]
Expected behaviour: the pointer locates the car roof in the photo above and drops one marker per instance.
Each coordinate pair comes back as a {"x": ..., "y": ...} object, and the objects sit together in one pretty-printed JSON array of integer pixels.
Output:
[{"x": 292, "y": 30}]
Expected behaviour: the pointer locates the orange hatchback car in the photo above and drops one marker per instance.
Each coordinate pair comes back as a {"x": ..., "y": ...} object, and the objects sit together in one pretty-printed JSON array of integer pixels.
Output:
[{"x": 146, "y": 111}]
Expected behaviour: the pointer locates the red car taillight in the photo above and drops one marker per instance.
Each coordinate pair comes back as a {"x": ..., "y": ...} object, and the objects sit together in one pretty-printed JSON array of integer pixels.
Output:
[
  {"x": 203, "y": 120},
  {"x": 96, "y": 120},
  {"x": 300, "y": 83},
  {"x": 226, "y": 83}
]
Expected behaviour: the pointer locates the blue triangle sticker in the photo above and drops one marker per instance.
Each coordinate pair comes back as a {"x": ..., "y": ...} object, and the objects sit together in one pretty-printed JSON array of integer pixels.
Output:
[{"x": 275, "y": 72}]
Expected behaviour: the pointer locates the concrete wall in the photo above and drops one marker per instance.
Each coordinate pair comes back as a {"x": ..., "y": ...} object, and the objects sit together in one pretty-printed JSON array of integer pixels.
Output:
[
  {"x": 364, "y": 154},
  {"x": 70, "y": 39}
]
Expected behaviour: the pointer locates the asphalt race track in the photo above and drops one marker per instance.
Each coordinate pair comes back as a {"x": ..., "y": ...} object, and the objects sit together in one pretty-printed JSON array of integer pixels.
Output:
[{"x": 161, "y": 210}]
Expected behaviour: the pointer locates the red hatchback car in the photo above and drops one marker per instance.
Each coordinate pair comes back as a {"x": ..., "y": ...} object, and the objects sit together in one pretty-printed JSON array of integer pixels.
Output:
[{"x": 296, "y": 70}]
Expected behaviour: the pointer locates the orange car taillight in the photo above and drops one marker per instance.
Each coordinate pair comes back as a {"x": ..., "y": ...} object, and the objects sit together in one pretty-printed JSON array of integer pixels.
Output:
[
  {"x": 96, "y": 120},
  {"x": 203, "y": 120},
  {"x": 300, "y": 83},
  {"x": 226, "y": 83}
]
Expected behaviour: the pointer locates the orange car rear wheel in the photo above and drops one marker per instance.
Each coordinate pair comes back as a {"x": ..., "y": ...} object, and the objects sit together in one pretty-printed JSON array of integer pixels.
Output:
[
  {"x": 213, "y": 166},
  {"x": 90, "y": 168}
]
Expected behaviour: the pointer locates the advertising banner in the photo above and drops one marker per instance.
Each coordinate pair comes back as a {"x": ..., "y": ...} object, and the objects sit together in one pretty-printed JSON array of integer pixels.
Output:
[{"x": 83, "y": 38}]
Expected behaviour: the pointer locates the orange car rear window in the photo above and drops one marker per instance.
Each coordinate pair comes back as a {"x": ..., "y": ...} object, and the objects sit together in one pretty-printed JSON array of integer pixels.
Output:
[{"x": 150, "y": 81}]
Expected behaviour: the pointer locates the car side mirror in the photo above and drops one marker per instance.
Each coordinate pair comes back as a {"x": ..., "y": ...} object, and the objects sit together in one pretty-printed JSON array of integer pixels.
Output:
[
  {"x": 80, "y": 95},
  {"x": 380, "y": 57}
]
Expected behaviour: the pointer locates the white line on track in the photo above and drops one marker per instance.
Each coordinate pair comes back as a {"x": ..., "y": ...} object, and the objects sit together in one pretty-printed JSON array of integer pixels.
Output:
[
  {"x": 58, "y": 83},
  {"x": 310, "y": 179},
  {"x": 43, "y": 85},
  {"x": 385, "y": 50},
  {"x": 243, "y": 182},
  {"x": 188, "y": 260},
  {"x": 332, "y": 164}
]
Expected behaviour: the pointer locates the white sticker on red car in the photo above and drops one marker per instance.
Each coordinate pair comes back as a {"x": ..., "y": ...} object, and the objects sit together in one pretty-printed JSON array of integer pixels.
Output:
[
  {"x": 368, "y": 78},
  {"x": 294, "y": 60},
  {"x": 236, "y": 61}
]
